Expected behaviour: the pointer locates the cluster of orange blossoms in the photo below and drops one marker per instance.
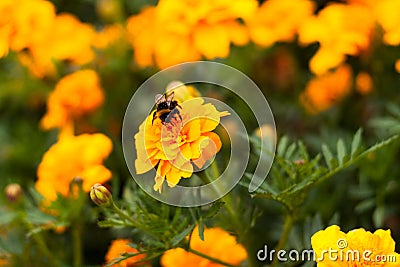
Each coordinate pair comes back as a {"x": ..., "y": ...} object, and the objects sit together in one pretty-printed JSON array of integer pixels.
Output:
[
  {"x": 184, "y": 141},
  {"x": 39, "y": 36},
  {"x": 357, "y": 248},
  {"x": 217, "y": 244},
  {"x": 117, "y": 249},
  {"x": 73, "y": 157}
]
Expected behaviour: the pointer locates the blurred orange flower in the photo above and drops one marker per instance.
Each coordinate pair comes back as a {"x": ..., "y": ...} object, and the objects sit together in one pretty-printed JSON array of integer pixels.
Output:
[
  {"x": 175, "y": 145},
  {"x": 326, "y": 90},
  {"x": 74, "y": 95},
  {"x": 364, "y": 83},
  {"x": 108, "y": 36},
  {"x": 73, "y": 157},
  {"x": 397, "y": 65},
  {"x": 120, "y": 246},
  {"x": 32, "y": 22},
  {"x": 69, "y": 40},
  {"x": 341, "y": 30},
  {"x": 168, "y": 34},
  {"x": 217, "y": 244},
  {"x": 6, "y": 8},
  {"x": 370, "y": 247},
  {"x": 278, "y": 20},
  {"x": 387, "y": 15}
]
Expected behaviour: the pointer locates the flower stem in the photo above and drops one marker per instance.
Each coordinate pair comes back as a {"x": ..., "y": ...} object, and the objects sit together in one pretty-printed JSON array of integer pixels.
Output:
[
  {"x": 233, "y": 217},
  {"x": 129, "y": 219},
  {"x": 38, "y": 238},
  {"x": 198, "y": 253},
  {"x": 287, "y": 227},
  {"x": 77, "y": 244}
]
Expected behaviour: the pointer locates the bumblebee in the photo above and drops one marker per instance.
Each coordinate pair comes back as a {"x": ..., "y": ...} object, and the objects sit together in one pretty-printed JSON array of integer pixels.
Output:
[{"x": 165, "y": 106}]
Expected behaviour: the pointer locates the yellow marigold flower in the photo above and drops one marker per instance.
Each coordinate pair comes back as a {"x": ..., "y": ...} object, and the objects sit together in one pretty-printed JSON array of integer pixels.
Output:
[
  {"x": 364, "y": 83},
  {"x": 217, "y": 244},
  {"x": 74, "y": 95},
  {"x": 341, "y": 30},
  {"x": 71, "y": 157},
  {"x": 170, "y": 34},
  {"x": 278, "y": 20},
  {"x": 185, "y": 140},
  {"x": 357, "y": 248},
  {"x": 324, "y": 91},
  {"x": 119, "y": 247}
]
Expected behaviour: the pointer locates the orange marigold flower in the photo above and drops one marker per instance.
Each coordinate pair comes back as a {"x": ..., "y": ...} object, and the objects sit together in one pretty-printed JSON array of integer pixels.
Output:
[
  {"x": 341, "y": 30},
  {"x": 168, "y": 34},
  {"x": 108, "y": 36},
  {"x": 387, "y": 15},
  {"x": 68, "y": 39},
  {"x": 364, "y": 83},
  {"x": 6, "y": 10},
  {"x": 357, "y": 248},
  {"x": 397, "y": 65},
  {"x": 326, "y": 90},
  {"x": 217, "y": 244},
  {"x": 32, "y": 22},
  {"x": 72, "y": 157},
  {"x": 278, "y": 20},
  {"x": 75, "y": 95},
  {"x": 174, "y": 146},
  {"x": 119, "y": 247}
]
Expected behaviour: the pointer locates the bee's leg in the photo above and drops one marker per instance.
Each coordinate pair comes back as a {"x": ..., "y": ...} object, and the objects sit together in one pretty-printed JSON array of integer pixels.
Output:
[
  {"x": 154, "y": 117},
  {"x": 175, "y": 112}
]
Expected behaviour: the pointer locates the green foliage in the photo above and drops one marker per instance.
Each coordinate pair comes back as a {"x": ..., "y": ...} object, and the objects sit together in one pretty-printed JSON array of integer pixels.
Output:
[{"x": 295, "y": 173}]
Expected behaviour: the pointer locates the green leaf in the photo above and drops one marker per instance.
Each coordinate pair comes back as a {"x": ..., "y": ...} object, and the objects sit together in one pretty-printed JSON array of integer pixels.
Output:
[
  {"x": 283, "y": 142},
  {"x": 179, "y": 237},
  {"x": 328, "y": 156},
  {"x": 355, "y": 145},
  {"x": 341, "y": 150},
  {"x": 214, "y": 209},
  {"x": 378, "y": 216},
  {"x": 365, "y": 205},
  {"x": 201, "y": 230}
]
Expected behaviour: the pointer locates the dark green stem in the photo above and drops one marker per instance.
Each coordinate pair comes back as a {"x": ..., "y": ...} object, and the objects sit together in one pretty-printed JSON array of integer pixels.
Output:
[
  {"x": 129, "y": 219},
  {"x": 287, "y": 227},
  {"x": 77, "y": 244},
  {"x": 38, "y": 238},
  {"x": 236, "y": 221},
  {"x": 198, "y": 253}
]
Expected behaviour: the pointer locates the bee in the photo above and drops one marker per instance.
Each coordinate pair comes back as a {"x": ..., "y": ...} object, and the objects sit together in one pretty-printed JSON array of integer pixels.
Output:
[{"x": 165, "y": 106}]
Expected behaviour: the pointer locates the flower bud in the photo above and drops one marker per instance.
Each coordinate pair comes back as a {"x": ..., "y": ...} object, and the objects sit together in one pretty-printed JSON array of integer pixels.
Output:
[
  {"x": 13, "y": 192},
  {"x": 100, "y": 195}
]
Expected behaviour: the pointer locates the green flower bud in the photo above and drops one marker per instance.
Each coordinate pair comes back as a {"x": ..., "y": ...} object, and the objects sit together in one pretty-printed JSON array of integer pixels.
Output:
[{"x": 100, "y": 195}]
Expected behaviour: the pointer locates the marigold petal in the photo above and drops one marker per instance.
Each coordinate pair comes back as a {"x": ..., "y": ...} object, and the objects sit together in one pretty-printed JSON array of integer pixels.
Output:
[
  {"x": 93, "y": 175},
  {"x": 208, "y": 150},
  {"x": 212, "y": 41}
]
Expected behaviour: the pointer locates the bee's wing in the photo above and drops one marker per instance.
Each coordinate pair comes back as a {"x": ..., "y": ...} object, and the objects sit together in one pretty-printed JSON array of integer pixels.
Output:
[
  {"x": 159, "y": 98},
  {"x": 170, "y": 97}
]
